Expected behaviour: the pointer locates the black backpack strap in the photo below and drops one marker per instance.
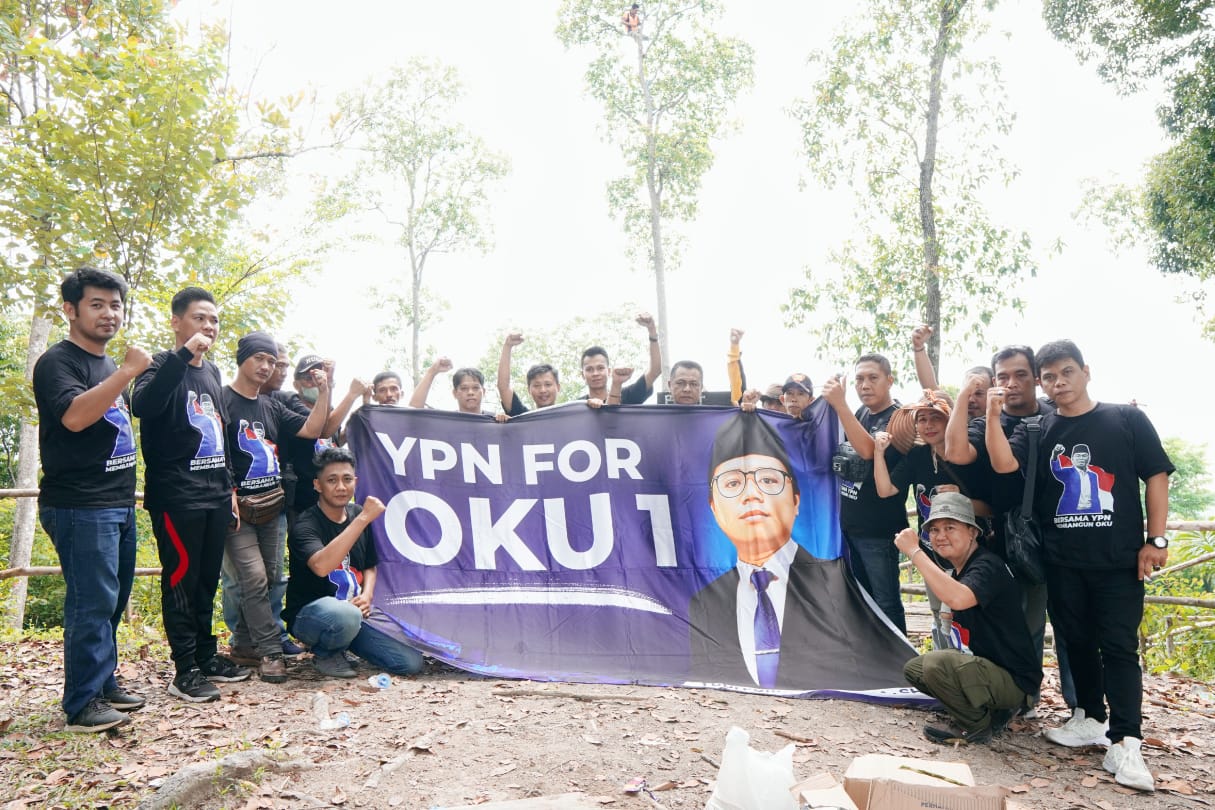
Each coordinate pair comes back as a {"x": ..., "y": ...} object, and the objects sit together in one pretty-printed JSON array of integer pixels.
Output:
[{"x": 1033, "y": 425}]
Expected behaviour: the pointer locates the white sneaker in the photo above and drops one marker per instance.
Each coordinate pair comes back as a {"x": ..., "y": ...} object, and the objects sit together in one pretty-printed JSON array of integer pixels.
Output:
[
  {"x": 1125, "y": 761},
  {"x": 1079, "y": 731}
]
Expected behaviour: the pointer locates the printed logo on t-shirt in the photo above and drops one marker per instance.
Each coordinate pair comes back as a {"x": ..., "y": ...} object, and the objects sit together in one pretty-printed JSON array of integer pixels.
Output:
[
  {"x": 200, "y": 411},
  {"x": 123, "y": 456},
  {"x": 1088, "y": 498},
  {"x": 263, "y": 468},
  {"x": 349, "y": 581}
]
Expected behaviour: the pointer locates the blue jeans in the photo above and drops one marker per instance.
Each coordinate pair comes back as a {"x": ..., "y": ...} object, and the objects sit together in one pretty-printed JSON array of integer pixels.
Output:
[
  {"x": 330, "y": 627},
  {"x": 96, "y": 549},
  {"x": 875, "y": 565},
  {"x": 230, "y": 595}
]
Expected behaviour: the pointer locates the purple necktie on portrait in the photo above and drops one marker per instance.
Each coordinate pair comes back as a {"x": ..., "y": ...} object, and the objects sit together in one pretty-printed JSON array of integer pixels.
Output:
[{"x": 767, "y": 631}]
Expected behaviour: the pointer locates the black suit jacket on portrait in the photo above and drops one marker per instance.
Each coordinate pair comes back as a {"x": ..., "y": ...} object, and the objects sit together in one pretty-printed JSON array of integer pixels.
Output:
[{"x": 830, "y": 637}]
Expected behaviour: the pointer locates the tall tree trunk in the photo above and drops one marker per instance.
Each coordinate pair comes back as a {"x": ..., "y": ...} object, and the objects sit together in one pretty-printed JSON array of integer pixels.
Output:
[
  {"x": 415, "y": 309},
  {"x": 654, "y": 187},
  {"x": 928, "y": 220},
  {"x": 27, "y": 478}
]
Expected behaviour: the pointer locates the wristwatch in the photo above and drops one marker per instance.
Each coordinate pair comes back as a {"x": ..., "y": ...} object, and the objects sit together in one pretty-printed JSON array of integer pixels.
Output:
[{"x": 1158, "y": 542}]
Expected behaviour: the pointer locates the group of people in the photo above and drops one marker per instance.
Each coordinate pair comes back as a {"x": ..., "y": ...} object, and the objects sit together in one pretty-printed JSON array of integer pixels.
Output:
[
  {"x": 965, "y": 467},
  {"x": 219, "y": 501},
  {"x": 214, "y": 489}
]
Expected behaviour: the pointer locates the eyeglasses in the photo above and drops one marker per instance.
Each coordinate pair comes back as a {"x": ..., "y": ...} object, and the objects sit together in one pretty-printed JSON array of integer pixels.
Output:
[{"x": 769, "y": 481}]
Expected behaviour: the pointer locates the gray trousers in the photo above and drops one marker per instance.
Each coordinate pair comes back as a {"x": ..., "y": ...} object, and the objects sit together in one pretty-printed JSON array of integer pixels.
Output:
[
  {"x": 252, "y": 554},
  {"x": 968, "y": 686}
]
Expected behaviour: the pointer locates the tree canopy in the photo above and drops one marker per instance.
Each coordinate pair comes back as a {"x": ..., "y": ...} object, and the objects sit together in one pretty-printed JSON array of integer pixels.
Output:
[
  {"x": 666, "y": 91},
  {"x": 909, "y": 122}
]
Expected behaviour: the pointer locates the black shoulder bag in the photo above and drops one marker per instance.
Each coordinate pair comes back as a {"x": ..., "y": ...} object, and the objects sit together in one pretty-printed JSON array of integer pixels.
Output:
[{"x": 1022, "y": 536}]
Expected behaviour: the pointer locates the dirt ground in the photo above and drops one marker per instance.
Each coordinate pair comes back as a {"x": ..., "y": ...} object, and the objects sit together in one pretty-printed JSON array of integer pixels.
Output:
[{"x": 448, "y": 739}]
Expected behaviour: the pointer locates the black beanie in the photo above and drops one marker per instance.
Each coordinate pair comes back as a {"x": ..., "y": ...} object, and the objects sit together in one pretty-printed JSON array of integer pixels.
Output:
[
  {"x": 747, "y": 433},
  {"x": 253, "y": 343}
]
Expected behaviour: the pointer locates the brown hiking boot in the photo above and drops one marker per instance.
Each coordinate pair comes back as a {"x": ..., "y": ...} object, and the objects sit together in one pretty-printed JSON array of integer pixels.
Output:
[{"x": 272, "y": 669}]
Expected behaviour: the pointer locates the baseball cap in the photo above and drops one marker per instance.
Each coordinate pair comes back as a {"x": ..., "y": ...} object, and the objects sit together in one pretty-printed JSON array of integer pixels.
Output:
[
  {"x": 772, "y": 394},
  {"x": 798, "y": 381},
  {"x": 952, "y": 505},
  {"x": 308, "y": 363}
]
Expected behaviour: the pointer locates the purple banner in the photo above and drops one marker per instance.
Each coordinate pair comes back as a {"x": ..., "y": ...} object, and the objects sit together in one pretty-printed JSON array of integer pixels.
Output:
[{"x": 621, "y": 545}]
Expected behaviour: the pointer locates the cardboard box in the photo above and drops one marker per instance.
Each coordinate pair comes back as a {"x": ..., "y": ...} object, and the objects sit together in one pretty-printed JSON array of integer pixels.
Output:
[
  {"x": 886, "y": 794},
  {"x": 822, "y": 791},
  {"x": 866, "y": 770}
]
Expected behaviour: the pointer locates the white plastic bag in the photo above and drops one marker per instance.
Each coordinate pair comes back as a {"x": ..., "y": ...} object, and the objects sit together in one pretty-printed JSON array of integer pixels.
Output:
[{"x": 753, "y": 780}]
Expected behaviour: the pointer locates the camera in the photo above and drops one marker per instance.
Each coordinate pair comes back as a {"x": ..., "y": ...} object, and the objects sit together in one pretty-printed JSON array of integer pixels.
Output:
[{"x": 848, "y": 464}]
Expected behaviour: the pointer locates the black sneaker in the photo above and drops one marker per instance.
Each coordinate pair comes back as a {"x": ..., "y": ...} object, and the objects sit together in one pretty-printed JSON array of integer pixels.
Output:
[
  {"x": 950, "y": 733},
  {"x": 194, "y": 687},
  {"x": 334, "y": 666},
  {"x": 1000, "y": 718},
  {"x": 223, "y": 670},
  {"x": 122, "y": 700},
  {"x": 97, "y": 716}
]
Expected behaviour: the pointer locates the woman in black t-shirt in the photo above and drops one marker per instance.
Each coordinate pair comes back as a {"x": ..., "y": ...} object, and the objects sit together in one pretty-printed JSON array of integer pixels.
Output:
[{"x": 918, "y": 431}]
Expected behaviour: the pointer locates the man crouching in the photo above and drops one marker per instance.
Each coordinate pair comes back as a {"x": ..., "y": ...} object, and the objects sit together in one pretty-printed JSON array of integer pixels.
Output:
[
  {"x": 986, "y": 681},
  {"x": 333, "y": 562}
]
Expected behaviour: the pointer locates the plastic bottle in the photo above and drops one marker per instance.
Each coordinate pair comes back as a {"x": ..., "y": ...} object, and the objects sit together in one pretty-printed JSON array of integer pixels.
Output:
[
  {"x": 381, "y": 681},
  {"x": 320, "y": 710}
]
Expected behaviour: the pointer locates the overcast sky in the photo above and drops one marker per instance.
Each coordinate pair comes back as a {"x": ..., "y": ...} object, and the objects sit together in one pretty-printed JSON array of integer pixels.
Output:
[{"x": 557, "y": 253}]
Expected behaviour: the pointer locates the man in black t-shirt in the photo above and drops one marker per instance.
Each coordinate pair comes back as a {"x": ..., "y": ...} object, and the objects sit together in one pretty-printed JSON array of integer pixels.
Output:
[
  {"x": 543, "y": 382},
  {"x": 1097, "y": 556},
  {"x": 333, "y": 578},
  {"x": 86, "y": 499},
  {"x": 608, "y": 385},
  {"x": 983, "y": 684},
  {"x": 1016, "y": 372},
  {"x": 188, "y": 490},
  {"x": 868, "y": 520},
  {"x": 256, "y": 425}
]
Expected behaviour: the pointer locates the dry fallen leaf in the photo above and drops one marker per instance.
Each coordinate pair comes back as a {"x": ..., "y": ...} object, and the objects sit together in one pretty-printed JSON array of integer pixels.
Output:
[
  {"x": 1089, "y": 781},
  {"x": 338, "y": 797},
  {"x": 1177, "y": 786},
  {"x": 1039, "y": 782}
]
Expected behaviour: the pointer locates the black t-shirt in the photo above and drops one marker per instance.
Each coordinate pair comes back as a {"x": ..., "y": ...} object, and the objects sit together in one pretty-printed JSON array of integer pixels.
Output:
[
  {"x": 635, "y": 393},
  {"x": 181, "y": 430},
  {"x": 301, "y": 453},
  {"x": 1086, "y": 497},
  {"x": 313, "y": 531},
  {"x": 924, "y": 474},
  {"x": 862, "y": 511},
  {"x": 94, "y": 468},
  {"x": 516, "y": 406},
  {"x": 995, "y": 627},
  {"x": 1001, "y": 492},
  {"x": 254, "y": 430}
]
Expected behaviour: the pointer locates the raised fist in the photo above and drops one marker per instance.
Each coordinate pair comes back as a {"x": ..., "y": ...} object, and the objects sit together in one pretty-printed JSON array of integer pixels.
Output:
[
  {"x": 199, "y": 344},
  {"x": 443, "y": 364},
  {"x": 623, "y": 374},
  {"x": 136, "y": 360},
  {"x": 920, "y": 335},
  {"x": 373, "y": 507},
  {"x": 514, "y": 339},
  {"x": 735, "y": 336},
  {"x": 646, "y": 319}
]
